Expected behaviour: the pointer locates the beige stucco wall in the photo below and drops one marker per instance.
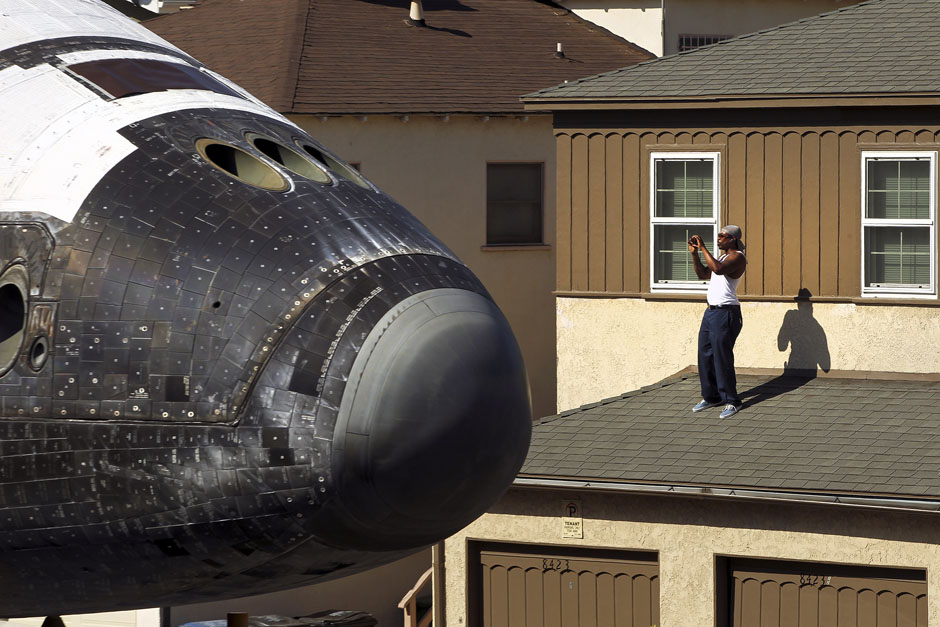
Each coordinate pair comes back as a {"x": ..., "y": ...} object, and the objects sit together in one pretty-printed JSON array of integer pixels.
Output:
[
  {"x": 608, "y": 346},
  {"x": 689, "y": 533},
  {"x": 436, "y": 167},
  {"x": 638, "y": 21}
]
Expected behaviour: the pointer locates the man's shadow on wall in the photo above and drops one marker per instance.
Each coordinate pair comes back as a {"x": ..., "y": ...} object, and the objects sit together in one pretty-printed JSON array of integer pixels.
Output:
[{"x": 809, "y": 352}]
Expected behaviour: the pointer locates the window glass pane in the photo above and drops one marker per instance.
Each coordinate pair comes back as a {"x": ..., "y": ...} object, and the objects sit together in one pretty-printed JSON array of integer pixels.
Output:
[
  {"x": 513, "y": 223},
  {"x": 898, "y": 189},
  {"x": 514, "y": 181},
  {"x": 897, "y": 256},
  {"x": 684, "y": 188},
  {"x": 514, "y": 203},
  {"x": 129, "y": 77},
  {"x": 671, "y": 258}
]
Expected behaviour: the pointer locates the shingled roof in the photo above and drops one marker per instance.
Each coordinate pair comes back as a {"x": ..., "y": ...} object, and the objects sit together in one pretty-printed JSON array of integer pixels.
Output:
[
  {"x": 873, "y": 48},
  {"x": 797, "y": 434},
  {"x": 360, "y": 56}
]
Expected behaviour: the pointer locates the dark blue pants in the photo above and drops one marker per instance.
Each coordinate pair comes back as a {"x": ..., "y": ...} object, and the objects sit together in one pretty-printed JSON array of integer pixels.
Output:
[{"x": 716, "y": 337}]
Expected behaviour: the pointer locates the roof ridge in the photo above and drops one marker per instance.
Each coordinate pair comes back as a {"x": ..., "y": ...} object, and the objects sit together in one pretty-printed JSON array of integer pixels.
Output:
[
  {"x": 770, "y": 29},
  {"x": 291, "y": 98},
  {"x": 710, "y": 47},
  {"x": 594, "y": 76},
  {"x": 678, "y": 377}
]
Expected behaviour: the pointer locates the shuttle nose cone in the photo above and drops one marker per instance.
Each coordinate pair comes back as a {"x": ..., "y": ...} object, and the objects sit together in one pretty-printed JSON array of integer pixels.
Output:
[{"x": 434, "y": 425}]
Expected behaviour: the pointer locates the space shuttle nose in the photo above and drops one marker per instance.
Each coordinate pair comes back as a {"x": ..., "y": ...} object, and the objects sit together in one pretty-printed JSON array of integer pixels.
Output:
[{"x": 434, "y": 425}]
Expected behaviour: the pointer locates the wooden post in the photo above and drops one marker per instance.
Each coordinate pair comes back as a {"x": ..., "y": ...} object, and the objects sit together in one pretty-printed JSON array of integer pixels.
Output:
[{"x": 236, "y": 619}]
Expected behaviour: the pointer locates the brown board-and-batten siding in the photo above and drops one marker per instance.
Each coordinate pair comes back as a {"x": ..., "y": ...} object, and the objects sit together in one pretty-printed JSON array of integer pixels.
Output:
[{"x": 796, "y": 192}]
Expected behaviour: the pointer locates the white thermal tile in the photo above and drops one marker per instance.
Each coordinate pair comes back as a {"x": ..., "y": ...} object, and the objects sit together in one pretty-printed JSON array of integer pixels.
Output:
[
  {"x": 36, "y": 21},
  {"x": 67, "y": 136},
  {"x": 83, "y": 56},
  {"x": 43, "y": 101},
  {"x": 69, "y": 169},
  {"x": 144, "y": 106}
]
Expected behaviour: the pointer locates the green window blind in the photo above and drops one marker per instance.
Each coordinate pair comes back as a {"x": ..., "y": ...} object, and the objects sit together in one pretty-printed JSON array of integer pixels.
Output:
[
  {"x": 684, "y": 188},
  {"x": 898, "y": 189},
  {"x": 672, "y": 261},
  {"x": 897, "y": 256}
]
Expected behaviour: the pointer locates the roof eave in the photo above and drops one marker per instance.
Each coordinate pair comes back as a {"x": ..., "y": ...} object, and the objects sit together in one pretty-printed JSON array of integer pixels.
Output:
[
  {"x": 403, "y": 111},
  {"x": 879, "y": 502},
  {"x": 734, "y": 102}
]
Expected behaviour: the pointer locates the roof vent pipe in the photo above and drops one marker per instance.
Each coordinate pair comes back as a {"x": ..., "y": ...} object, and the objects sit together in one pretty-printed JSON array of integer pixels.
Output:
[{"x": 416, "y": 14}]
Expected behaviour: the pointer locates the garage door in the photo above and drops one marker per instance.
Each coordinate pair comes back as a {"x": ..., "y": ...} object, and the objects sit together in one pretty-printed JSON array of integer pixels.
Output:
[
  {"x": 538, "y": 587},
  {"x": 793, "y": 594}
]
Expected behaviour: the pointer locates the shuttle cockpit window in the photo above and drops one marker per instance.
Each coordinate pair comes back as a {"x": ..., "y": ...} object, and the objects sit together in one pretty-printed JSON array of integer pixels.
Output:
[
  {"x": 336, "y": 165},
  {"x": 242, "y": 165},
  {"x": 13, "y": 289},
  {"x": 129, "y": 77},
  {"x": 290, "y": 159}
]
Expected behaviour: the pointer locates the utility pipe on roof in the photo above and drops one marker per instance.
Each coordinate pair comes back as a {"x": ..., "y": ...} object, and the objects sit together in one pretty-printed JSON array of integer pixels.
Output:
[{"x": 416, "y": 14}]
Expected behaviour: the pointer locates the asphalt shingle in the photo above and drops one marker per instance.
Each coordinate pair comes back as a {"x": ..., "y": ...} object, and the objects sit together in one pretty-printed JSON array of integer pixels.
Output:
[
  {"x": 876, "y": 47},
  {"x": 817, "y": 447},
  {"x": 359, "y": 56}
]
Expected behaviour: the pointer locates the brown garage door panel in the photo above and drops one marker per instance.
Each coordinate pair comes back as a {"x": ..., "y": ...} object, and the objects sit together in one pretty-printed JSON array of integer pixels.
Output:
[
  {"x": 530, "y": 590},
  {"x": 764, "y": 598}
]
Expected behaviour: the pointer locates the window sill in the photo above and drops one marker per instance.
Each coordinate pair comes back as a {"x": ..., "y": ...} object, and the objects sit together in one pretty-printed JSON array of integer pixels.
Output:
[
  {"x": 505, "y": 248},
  {"x": 898, "y": 295},
  {"x": 692, "y": 297},
  {"x": 686, "y": 289}
]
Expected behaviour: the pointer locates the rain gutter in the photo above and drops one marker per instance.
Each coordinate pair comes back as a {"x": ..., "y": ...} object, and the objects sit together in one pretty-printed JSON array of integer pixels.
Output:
[{"x": 869, "y": 502}]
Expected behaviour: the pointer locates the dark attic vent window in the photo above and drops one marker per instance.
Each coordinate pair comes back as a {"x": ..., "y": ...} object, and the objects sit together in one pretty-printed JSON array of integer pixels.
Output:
[
  {"x": 129, "y": 77},
  {"x": 690, "y": 42}
]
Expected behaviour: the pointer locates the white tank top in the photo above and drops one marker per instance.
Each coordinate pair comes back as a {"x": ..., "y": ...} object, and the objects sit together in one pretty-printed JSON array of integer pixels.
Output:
[{"x": 723, "y": 290}]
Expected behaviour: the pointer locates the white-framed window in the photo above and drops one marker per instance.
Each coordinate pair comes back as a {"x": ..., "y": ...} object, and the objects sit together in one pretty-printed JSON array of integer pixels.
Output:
[
  {"x": 683, "y": 202},
  {"x": 899, "y": 209}
]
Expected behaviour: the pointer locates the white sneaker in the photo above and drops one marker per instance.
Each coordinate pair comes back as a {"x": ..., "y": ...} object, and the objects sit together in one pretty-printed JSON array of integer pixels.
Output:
[{"x": 728, "y": 411}]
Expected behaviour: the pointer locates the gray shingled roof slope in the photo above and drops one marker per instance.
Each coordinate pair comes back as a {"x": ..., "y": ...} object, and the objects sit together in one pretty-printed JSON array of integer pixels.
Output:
[
  {"x": 824, "y": 435},
  {"x": 876, "y": 47}
]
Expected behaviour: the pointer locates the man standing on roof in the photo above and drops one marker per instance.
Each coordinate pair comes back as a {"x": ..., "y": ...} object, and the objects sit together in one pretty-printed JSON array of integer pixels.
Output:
[{"x": 722, "y": 321}]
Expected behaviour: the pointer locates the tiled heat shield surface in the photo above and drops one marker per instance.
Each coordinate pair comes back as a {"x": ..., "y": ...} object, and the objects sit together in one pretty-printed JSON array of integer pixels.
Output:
[{"x": 228, "y": 364}]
